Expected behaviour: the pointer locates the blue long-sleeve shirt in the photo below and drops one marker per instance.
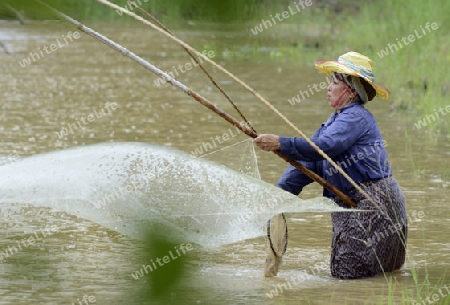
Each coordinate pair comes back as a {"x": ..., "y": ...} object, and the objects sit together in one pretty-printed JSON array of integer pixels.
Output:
[{"x": 352, "y": 139}]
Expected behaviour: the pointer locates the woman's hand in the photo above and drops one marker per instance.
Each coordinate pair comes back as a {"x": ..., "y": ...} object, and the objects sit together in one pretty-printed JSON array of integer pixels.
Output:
[{"x": 268, "y": 142}]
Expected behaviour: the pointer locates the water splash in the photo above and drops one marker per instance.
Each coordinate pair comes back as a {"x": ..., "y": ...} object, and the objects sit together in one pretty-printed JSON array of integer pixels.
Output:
[{"x": 124, "y": 186}]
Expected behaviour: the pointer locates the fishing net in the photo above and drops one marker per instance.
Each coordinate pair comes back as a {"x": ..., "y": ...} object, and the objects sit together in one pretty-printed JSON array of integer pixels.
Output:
[{"x": 241, "y": 157}]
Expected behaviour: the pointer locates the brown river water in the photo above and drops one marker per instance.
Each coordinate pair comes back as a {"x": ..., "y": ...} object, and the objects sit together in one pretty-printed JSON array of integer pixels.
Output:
[{"x": 73, "y": 257}]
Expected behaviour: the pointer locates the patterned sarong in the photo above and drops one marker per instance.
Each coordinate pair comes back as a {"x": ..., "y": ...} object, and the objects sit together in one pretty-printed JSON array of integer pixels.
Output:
[{"x": 367, "y": 243}]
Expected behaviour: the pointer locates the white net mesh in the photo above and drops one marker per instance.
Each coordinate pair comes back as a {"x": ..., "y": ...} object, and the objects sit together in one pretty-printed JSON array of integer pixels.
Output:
[{"x": 240, "y": 157}]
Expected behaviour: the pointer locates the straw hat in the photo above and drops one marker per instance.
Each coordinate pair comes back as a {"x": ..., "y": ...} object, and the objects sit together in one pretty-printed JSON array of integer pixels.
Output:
[{"x": 353, "y": 63}]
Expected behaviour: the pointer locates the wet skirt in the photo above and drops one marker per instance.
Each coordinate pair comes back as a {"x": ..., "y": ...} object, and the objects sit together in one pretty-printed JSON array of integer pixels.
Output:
[{"x": 367, "y": 243}]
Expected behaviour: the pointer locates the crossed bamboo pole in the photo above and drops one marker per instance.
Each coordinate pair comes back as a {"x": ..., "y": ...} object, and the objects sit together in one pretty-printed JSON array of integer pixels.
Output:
[
  {"x": 199, "y": 64},
  {"x": 224, "y": 115},
  {"x": 196, "y": 96},
  {"x": 251, "y": 90}
]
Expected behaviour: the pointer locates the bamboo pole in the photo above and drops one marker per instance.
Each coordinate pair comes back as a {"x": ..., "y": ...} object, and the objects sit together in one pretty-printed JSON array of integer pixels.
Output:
[
  {"x": 199, "y": 64},
  {"x": 197, "y": 97},
  {"x": 256, "y": 94}
]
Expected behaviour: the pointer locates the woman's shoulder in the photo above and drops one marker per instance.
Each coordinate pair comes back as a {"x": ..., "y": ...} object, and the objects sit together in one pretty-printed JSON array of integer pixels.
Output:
[{"x": 358, "y": 110}]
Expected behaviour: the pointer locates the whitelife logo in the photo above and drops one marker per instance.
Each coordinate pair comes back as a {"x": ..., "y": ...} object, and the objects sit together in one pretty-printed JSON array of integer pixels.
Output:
[
  {"x": 86, "y": 300},
  {"x": 187, "y": 66},
  {"x": 49, "y": 49},
  {"x": 302, "y": 95},
  {"x": 129, "y": 7},
  {"x": 165, "y": 260},
  {"x": 376, "y": 149},
  {"x": 208, "y": 146},
  {"x": 433, "y": 117},
  {"x": 26, "y": 242},
  {"x": 265, "y": 24},
  {"x": 391, "y": 48},
  {"x": 114, "y": 195},
  {"x": 90, "y": 118}
]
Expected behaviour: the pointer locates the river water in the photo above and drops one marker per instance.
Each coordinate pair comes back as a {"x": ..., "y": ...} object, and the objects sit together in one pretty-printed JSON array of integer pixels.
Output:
[{"x": 75, "y": 257}]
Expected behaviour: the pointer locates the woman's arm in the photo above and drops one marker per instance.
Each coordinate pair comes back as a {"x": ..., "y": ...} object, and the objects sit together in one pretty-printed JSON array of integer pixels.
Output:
[
  {"x": 333, "y": 139},
  {"x": 293, "y": 180}
]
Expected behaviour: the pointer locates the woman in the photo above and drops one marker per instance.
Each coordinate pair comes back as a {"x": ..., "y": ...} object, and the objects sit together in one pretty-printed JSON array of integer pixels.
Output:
[{"x": 365, "y": 243}]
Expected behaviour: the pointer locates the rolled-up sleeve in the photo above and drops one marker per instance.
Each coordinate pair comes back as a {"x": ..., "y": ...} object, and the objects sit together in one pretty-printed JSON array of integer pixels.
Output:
[
  {"x": 333, "y": 140},
  {"x": 293, "y": 180}
]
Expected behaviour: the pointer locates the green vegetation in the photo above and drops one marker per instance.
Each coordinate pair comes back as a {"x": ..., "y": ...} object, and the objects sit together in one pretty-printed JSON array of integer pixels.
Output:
[
  {"x": 170, "y": 10},
  {"x": 407, "y": 40},
  {"x": 411, "y": 58},
  {"x": 399, "y": 294},
  {"x": 417, "y": 71}
]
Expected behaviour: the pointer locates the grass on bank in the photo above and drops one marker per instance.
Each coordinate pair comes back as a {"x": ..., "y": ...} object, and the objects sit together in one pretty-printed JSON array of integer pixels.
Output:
[
  {"x": 410, "y": 54},
  {"x": 169, "y": 10},
  {"x": 415, "y": 73},
  {"x": 398, "y": 294}
]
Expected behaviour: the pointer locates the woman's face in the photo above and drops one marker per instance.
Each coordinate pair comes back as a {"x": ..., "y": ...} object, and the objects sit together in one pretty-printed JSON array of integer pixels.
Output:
[{"x": 335, "y": 89}]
